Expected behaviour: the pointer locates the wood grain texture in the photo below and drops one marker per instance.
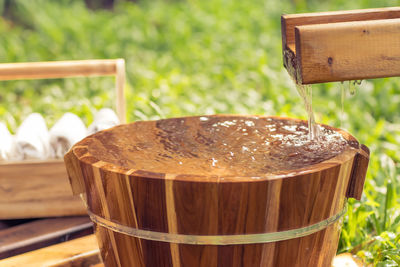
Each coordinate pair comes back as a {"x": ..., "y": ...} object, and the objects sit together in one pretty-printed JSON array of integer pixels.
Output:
[
  {"x": 290, "y": 21},
  {"x": 80, "y": 252},
  {"x": 48, "y": 192},
  {"x": 341, "y": 260},
  {"x": 84, "y": 252},
  {"x": 349, "y": 50},
  {"x": 359, "y": 172},
  {"x": 342, "y": 45},
  {"x": 57, "y": 69},
  {"x": 188, "y": 204},
  {"x": 36, "y": 189},
  {"x": 40, "y": 233}
]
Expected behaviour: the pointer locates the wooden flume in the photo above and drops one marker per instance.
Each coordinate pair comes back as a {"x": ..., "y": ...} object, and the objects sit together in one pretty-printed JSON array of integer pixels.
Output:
[
  {"x": 341, "y": 45},
  {"x": 175, "y": 201},
  {"x": 40, "y": 188}
]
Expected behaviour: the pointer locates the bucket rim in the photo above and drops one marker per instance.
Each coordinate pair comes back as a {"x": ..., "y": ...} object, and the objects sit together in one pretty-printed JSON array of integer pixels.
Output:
[{"x": 335, "y": 161}]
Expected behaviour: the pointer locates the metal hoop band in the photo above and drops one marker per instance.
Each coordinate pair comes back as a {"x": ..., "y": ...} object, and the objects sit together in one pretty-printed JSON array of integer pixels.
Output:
[{"x": 216, "y": 239}]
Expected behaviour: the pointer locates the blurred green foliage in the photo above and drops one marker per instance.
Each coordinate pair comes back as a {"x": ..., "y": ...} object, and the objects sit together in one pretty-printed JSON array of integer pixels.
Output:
[{"x": 202, "y": 57}]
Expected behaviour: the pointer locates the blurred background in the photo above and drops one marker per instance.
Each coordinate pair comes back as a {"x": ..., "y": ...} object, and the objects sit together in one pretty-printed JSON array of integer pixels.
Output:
[{"x": 190, "y": 57}]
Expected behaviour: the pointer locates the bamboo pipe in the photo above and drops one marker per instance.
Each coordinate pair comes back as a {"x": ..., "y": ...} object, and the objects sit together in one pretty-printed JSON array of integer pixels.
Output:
[{"x": 341, "y": 45}]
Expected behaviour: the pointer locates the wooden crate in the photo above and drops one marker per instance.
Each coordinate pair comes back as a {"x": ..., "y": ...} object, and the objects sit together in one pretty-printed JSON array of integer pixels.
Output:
[{"x": 32, "y": 189}]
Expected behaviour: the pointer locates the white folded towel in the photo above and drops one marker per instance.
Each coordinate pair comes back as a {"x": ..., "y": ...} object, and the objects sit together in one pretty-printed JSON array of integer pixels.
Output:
[
  {"x": 32, "y": 138},
  {"x": 8, "y": 149},
  {"x": 105, "y": 118},
  {"x": 66, "y": 132}
]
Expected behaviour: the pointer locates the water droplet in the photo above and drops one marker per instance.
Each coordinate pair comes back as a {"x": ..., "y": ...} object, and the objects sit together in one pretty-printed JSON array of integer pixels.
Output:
[{"x": 352, "y": 87}]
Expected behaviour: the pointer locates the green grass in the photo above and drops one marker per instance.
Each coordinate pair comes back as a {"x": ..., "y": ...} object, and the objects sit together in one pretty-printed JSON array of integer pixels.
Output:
[{"x": 202, "y": 57}]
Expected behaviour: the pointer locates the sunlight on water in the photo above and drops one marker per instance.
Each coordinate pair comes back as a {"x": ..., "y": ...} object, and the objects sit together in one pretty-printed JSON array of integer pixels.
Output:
[
  {"x": 214, "y": 145},
  {"x": 305, "y": 92}
]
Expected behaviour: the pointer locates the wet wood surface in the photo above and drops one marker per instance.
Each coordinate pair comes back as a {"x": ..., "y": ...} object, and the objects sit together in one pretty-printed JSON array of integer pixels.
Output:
[{"x": 178, "y": 202}]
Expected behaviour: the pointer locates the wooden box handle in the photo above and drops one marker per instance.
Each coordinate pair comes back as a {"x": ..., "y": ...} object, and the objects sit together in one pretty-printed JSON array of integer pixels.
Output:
[
  {"x": 358, "y": 173},
  {"x": 75, "y": 68}
]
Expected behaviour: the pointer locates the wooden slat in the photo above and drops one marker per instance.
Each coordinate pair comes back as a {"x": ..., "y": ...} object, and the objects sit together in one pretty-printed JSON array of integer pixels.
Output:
[
  {"x": 57, "y": 69},
  {"x": 11, "y": 223},
  {"x": 359, "y": 172},
  {"x": 36, "y": 189},
  {"x": 80, "y": 252},
  {"x": 348, "y": 51},
  {"x": 40, "y": 233},
  {"x": 289, "y": 22}
]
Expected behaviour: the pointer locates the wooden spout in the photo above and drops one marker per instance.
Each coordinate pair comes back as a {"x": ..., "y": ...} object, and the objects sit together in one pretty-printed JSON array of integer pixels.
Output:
[
  {"x": 358, "y": 173},
  {"x": 343, "y": 45}
]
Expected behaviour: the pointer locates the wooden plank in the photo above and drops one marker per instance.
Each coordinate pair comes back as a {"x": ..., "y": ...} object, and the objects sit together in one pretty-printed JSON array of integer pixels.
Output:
[
  {"x": 40, "y": 233},
  {"x": 4, "y": 224},
  {"x": 80, "y": 252},
  {"x": 348, "y": 51},
  {"x": 36, "y": 189},
  {"x": 57, "y": 69},
  {"x": 289, "y": 22}
]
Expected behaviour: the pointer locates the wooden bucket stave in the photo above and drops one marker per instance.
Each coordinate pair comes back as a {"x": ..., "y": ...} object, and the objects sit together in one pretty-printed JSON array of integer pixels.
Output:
[{"x": 166, "y": 205}]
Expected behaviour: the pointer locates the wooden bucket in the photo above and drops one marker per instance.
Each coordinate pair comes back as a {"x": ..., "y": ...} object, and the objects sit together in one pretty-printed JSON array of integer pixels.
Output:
[{"x": 177, "y": 216}]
